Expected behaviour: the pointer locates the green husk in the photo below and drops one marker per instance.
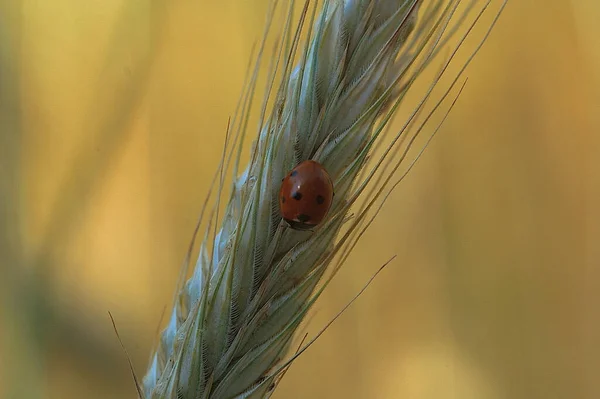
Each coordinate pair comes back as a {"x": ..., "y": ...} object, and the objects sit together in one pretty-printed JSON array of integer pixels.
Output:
[{"x": 256, "y": 279}]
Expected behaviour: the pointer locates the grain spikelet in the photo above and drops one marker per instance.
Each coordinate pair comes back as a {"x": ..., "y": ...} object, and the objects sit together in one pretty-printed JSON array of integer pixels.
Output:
[{"x": 256, "y": 279}]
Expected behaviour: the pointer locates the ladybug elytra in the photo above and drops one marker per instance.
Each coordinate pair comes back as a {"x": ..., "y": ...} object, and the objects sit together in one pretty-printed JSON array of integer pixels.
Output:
[{"x": 305, "y": 195}]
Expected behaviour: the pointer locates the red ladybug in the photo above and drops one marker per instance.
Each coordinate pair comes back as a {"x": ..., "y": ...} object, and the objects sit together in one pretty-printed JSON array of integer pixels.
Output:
[{"x": 305, "y": 195}]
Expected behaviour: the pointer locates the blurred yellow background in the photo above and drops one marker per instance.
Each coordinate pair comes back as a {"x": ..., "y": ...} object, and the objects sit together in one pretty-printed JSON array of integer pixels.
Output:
[{"x": 111, "y": 114}]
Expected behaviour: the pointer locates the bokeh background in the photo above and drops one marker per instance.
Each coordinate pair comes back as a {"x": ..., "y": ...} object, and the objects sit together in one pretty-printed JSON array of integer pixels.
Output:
[{"x": 112, "y": 116}]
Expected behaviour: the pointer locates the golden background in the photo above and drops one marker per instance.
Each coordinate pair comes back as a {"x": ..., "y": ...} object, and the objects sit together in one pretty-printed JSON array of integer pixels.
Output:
[{"x": 112, "y": 116}]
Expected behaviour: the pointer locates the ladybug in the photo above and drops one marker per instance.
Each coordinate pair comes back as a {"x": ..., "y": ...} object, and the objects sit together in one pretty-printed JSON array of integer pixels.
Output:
[{"x": 305, "y": 195}]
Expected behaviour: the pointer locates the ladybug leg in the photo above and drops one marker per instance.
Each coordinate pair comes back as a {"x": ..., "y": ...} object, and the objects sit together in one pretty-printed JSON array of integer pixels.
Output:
[{"x": 286, "y": 225}]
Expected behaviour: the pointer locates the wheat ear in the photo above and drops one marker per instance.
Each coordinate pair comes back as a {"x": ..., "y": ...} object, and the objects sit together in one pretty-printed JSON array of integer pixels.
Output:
[{"x": 255, "y": 279}]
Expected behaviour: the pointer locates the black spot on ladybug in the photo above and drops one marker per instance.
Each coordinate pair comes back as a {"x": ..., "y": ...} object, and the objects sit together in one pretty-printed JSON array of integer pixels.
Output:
[
  {"x": 297, "y": 196},
  {"x": 294, "y": 173},
  {"x": 303, "y": 218},
  {"x": 320, "y": 199},
  {"x": 282, "y": 199}
]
